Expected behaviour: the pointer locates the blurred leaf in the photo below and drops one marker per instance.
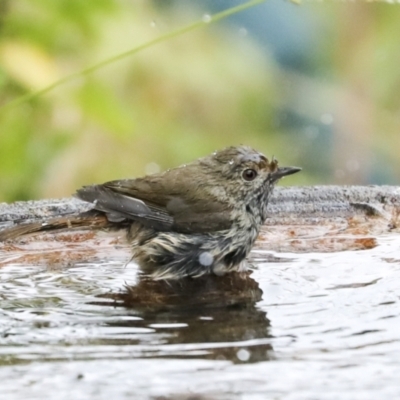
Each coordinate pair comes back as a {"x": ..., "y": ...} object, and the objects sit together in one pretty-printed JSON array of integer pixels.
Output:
[
  {"x": 29, "y": 65},
  {"x": 98, "y": 102}
]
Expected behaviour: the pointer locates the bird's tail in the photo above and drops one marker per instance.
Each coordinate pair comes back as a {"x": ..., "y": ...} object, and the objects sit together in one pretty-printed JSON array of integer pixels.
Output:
[{"x": 89, "y": 220}]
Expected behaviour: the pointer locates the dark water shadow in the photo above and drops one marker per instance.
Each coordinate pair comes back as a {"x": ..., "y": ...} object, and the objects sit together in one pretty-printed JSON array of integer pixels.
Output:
[{"x": 219, "y": 314}]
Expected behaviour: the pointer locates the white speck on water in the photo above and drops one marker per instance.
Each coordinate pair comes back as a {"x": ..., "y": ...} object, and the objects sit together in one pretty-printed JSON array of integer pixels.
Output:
[
  {"x": 206, "y": 258},
  {"x": 206, "y": 318},
  {"x": 207, "y": 18},
  {"x": 243, "y": 355},
  {"x": 44, "y": 223},
  {"x": 230, "y": 162},
  {"x": 169, "y": 326},
  {"x": 326, "y": 119}
]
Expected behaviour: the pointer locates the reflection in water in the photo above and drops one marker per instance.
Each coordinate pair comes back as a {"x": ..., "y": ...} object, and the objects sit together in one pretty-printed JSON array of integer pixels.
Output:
[
  {"x": 334, "y": 330},
  {"x": 218, "y": 314}
]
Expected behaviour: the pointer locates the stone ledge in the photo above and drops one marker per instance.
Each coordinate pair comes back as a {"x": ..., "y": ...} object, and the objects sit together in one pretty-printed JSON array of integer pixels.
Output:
[{"x": 287, "y": 203}]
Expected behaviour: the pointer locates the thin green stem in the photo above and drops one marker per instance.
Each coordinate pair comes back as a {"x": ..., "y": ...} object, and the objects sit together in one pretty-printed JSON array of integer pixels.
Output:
[{"x": 205, "y": 21}]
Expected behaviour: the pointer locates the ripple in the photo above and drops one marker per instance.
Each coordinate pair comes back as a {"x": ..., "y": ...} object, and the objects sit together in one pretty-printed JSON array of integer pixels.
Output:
[{"x": 326, "y": 318}]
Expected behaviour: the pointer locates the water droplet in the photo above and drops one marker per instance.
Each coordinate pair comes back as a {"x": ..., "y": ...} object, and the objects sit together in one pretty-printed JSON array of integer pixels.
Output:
[
  {"x": 152, "y": 168},
  {"x": 326, "y": 119},
  {"x": 352, "y": 165},
  {"x": 243, "y": 355},
  {"x": 311, "y": 132},
  {"x": 206, "y": 258},
  {"x": 207, "y": 18},
  {"x": 242, "y": 32},
  {"x": 230, "y": 162}
]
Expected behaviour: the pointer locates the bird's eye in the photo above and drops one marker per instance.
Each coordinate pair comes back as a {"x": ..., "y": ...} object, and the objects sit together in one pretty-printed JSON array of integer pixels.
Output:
[{"x": 249, "y": 174}]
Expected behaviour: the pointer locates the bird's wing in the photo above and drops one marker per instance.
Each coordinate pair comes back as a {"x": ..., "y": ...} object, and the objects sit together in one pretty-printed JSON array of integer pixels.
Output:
[
  {"x": 119, "y": 206},
  {"x": 184, "y": 208}
]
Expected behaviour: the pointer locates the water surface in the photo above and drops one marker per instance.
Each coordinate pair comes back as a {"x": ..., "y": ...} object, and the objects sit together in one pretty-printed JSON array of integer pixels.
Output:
[{"x": 301, "y": 326}]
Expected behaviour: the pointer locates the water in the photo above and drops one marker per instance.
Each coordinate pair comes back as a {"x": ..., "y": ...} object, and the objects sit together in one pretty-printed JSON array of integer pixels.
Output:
[{"x": 301, "y": 326}]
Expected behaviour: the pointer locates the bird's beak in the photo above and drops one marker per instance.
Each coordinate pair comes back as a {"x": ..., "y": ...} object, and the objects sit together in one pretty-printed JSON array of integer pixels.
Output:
[{"x": 284, "y": 171}]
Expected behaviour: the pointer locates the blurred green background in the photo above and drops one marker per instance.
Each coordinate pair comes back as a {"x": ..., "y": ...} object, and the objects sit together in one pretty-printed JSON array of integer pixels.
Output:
[{"x": 315, "y": 85}]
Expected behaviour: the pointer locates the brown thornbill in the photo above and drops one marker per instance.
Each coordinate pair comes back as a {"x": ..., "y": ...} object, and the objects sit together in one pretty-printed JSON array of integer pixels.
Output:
[{"x": 196, "y": 219}]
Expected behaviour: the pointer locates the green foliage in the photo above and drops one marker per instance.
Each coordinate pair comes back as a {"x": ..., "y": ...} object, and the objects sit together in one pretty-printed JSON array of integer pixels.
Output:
[
  {"x": 186, "y": 96},
  {"x": 164, "y": 106}
]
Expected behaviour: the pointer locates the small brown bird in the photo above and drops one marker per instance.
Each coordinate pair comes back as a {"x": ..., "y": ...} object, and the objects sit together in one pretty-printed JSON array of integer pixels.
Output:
[{"x": 196, "y": 219}]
